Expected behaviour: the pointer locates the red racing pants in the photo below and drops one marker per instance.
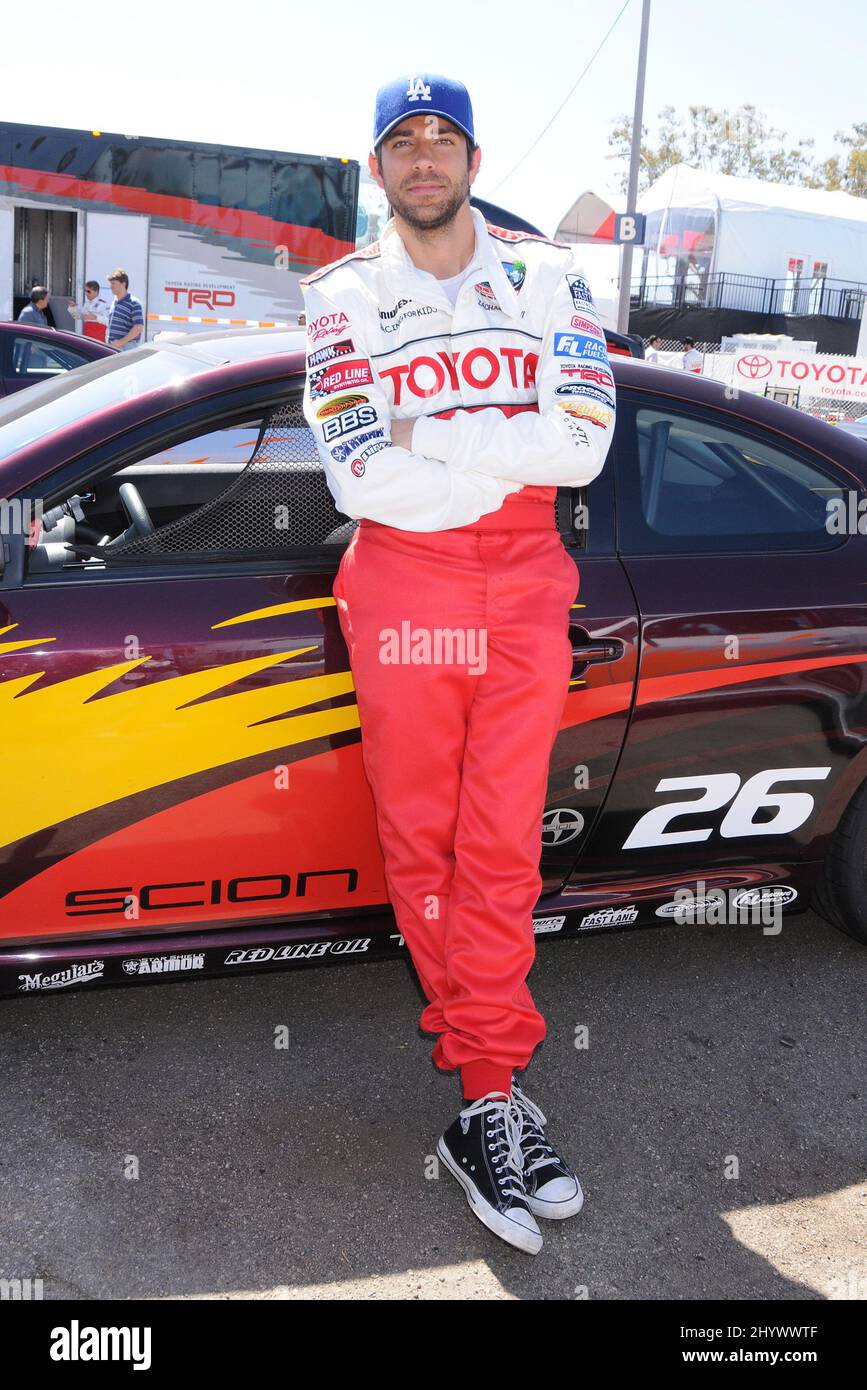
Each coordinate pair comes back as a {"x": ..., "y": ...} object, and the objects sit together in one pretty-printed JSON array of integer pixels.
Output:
[{"x": 456, "y": 752}]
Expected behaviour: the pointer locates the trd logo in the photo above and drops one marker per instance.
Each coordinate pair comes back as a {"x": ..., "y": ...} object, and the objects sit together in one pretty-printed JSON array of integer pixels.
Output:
[
  {"x": 200, "y": 892},
  {"x": 209, "y": 299}
]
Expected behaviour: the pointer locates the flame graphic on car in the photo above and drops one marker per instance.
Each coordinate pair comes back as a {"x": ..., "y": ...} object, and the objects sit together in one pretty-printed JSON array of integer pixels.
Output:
[{"x": 151, "y": 735}]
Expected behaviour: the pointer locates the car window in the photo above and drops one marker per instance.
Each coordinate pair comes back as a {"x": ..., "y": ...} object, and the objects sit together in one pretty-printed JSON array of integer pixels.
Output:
[
  {"x": 64, "y": 398},
  {"x": 244, "y": 488},
  {"x": 36, "y": 360},
  {"x": 691, "y": 484}
]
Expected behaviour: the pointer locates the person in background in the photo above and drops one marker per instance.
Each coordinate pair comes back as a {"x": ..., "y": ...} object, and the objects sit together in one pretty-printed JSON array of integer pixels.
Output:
[
  {"x": 653, "y": 346},
  {"x": 92, "y": 312},
  {"x": 126, "y": 315},
  {"x": 34, "y": 312},
  {"x": 692, "y": 360}
]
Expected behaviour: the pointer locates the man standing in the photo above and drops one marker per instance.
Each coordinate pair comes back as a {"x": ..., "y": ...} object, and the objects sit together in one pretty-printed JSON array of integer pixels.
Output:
[
  {"x": 34, "y": 312},
  {"x": 126, "y": 316},
  {"x": 692, "y": 360},
  {"x": 93, "y": 312},
  {"x": 456, "y": 375},
  {"x": 654, "y": 344}
]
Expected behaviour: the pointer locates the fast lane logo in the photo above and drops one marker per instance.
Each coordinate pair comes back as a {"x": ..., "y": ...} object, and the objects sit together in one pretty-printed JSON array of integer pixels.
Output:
[
  {"x": 337, "y": 406},
  {"x": 580, "y": 292},
  {"x": 340, "y": 377},
  {"x": 326, "y": 325}
]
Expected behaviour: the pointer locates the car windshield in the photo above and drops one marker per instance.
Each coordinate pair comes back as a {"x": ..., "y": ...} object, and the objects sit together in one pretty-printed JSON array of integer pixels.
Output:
[{"x": 51, "y": 405}]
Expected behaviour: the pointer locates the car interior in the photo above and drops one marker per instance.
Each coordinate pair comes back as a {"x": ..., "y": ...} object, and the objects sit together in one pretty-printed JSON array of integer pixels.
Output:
[
  {"x": 243, "y": 489},
  {"x": 698, "y": 480}
]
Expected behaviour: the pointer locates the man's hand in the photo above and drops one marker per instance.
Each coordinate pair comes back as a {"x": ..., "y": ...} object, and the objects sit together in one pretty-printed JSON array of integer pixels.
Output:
[{"x": 401, "y": 433}]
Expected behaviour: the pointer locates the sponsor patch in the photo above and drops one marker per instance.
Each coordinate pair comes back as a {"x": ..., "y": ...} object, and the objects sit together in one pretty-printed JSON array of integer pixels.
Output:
[
  {"x": 348, "y": 421},
  {"x": 777, "y": 895},
  {"x": 371, "y": 450},
  {"x": 586, "y": 326},
  {"x": 391, "y": 319},
  {"x": 572, "y": 389},
  {"x": 516, "y": 271},
  {"x": 610, "y": 917},
  {"x": 345, "y": 348},
  {"x": 580, "y": 292},
  {"x": 594, "y": 414},
  {"x": 357, "y": 467},
  {"x": 341, "y": 452},
  {"x": 602, "y": 378},
  {"x": 575, "y": 430},
  {"x": 485, "y": 296},
  {"x": 302, "y": 950},
  {"x": 327, "y": 325},
  {"x": 546, "y": 924},
  {"x": 164, "y": 965},
  {"x": 341, "y": 377},
  {"x": 72, "y": 975},
  {"x": 479, "y": 368},
  {"x": 579, "y": 345},
  {"x": 339, "y": 404}
]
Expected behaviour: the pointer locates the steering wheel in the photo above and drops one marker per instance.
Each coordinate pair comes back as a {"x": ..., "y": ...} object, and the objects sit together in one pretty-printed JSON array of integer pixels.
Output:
[
  {"x": 140, "y": 522},
  {"x": 139, "y": 517}
]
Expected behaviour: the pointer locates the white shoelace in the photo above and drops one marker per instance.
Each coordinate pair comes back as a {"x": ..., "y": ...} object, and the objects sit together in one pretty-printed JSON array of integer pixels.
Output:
[
  {"x": 505, "y": 1130},
  {"x": 533, "y": 1122}
]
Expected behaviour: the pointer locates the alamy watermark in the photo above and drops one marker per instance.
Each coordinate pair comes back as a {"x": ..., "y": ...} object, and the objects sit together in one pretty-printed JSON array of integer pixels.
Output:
[{"x": 435, "y": 646}]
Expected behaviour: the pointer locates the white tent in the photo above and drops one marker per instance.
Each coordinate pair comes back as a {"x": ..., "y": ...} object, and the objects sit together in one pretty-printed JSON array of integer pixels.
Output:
[{"x": 748, "y": 227}]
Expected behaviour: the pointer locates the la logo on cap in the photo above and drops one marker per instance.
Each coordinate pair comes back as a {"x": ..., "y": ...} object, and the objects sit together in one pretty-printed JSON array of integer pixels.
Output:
[{"x": 418, "y": 90}]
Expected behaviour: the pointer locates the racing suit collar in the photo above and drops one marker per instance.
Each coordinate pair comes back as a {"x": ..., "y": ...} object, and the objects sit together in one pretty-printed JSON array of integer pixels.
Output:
[{"x": 402, "y": 275}]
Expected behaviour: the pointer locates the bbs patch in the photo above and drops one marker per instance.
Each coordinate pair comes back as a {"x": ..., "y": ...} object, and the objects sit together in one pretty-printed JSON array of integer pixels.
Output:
[{"x": 355, "y": 419}]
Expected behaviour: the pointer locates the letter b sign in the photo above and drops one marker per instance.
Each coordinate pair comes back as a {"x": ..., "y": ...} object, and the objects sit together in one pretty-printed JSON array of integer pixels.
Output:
[{"x": 629, "y": 226}]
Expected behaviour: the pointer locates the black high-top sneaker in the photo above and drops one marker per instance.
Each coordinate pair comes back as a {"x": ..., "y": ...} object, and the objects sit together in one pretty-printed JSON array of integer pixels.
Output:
[
  {"x": 553, "y": 1190},
  {"x": 482, "y": 1150}
]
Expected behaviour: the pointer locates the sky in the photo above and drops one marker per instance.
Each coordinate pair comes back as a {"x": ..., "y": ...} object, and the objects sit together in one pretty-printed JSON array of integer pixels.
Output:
[{"x": 263, "y": 74}]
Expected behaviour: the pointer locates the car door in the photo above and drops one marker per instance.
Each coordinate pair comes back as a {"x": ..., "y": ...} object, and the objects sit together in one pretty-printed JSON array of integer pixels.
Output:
[
  {"x": 604, "y": 632},
  {"x": 28, "y": 360},
  {"x": 752, "y": 644},
  {"x": 181, "y": 735}
]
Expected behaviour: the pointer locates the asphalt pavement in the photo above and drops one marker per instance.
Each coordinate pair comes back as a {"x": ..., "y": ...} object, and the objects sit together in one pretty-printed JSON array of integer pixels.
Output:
[{"x": 273, "y": 1136}]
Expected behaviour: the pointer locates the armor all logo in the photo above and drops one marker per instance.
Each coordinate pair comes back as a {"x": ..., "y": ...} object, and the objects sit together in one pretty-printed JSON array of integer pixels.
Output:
[{"x": 418, "y": 89}]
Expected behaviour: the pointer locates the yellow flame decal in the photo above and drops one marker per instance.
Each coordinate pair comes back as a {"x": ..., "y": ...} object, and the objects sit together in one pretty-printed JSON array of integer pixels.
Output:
[{"x": 66, "y": 753}]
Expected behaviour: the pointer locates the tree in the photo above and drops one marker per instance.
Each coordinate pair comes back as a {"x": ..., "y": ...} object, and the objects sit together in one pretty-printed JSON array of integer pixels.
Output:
[
  {"x": 850, "y": 175},
  {"x": 741, "y": 142}
]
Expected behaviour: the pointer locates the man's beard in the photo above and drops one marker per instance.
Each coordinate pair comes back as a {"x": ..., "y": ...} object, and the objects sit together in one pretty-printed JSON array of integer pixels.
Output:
[{"x": 429, "y": 219}]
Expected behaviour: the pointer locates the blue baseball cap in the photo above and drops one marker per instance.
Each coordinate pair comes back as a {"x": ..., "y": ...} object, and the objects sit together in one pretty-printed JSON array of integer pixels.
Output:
[{"x": 426, "y": 92}]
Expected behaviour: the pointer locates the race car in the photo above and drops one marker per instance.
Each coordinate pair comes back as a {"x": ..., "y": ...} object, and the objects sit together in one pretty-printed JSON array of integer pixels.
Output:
[
  {"x": 30, "y": 354},
  {"x": 183, "y": 788}
]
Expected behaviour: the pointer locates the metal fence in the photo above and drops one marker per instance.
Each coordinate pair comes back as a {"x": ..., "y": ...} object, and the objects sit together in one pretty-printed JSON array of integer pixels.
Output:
[{"x": 836, "y": 299}]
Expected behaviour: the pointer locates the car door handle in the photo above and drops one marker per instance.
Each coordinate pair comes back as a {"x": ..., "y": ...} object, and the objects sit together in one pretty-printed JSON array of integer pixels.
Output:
[{"x": 585, "y": 652}]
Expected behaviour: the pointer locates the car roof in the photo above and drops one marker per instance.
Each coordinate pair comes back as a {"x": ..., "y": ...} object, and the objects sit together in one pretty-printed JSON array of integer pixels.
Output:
[
  {"x": 60, "y": 335},
  {"x": 232, "y": 344},
  {"x": 223, "y": 360}
]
